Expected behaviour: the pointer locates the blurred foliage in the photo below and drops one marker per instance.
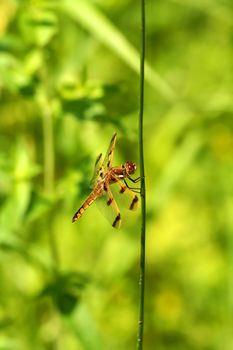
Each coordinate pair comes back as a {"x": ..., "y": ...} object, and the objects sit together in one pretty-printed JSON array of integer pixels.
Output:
[{"x": 68, "y": 80}]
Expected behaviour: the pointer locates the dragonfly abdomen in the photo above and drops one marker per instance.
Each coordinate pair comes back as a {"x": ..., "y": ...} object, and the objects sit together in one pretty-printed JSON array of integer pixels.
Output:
[{"x": 90, "y": 199}]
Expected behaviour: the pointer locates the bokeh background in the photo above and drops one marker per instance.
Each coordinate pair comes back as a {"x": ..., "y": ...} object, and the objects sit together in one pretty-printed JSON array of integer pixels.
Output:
[{"x": 68, "y": 80}]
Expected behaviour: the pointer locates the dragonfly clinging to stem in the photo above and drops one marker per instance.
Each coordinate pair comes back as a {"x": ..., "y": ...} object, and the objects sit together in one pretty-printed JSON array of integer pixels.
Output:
[{"x": 105, "y": 174}]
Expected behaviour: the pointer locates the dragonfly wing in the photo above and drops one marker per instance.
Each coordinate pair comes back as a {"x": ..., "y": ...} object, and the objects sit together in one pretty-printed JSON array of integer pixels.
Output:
[
  {"x": 110, "y": 152},
  {"x": 109, "y": 207},
  {"x": 103, "y": 163},
  {"x": 98, "y": 169},
  {"x": 130, "y": 197}
]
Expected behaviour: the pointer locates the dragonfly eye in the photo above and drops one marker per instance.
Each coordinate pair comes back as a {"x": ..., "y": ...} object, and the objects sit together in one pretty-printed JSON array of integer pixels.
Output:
[{"x": 130, "y": 167}]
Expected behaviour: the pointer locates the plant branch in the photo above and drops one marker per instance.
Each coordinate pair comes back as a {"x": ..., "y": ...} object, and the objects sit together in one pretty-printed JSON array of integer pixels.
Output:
[{"x": 143, "y": 187}]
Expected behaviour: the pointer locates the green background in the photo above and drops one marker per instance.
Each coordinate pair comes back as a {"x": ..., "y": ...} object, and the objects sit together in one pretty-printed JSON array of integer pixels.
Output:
[{"x": 68, "y": 80}]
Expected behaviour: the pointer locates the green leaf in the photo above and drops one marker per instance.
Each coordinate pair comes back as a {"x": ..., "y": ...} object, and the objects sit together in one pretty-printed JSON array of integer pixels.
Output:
[
  {"x": 15, "y": 206},
  {"x": 39, "y": 26},
  {"x": 65, "y": 290}
]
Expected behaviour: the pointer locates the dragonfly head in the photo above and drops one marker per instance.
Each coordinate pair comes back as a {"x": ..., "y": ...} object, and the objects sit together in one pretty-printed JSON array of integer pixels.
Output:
[{"x": 130, "y": 168}]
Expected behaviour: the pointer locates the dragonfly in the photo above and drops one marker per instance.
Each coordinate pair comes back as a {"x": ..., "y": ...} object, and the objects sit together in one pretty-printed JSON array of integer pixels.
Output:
[{"x": 105, "y": 175}]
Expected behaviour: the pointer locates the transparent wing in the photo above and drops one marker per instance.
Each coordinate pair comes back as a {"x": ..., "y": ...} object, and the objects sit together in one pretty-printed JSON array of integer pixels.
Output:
[
  {"x": 109, "y": 207},
  {"x": 102, "y": 164},
  {"x": 129, "y": 198},
  {"x": 107, "y": 202},
  {"x": 110, "y": 152},
  {"x": 98, "y": 170}
]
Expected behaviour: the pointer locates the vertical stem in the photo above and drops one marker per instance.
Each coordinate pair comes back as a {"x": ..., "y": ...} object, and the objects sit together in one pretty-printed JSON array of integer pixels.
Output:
[
  {"x": 143, "y": 187},
  {"x": 48, "y": 150},
  {"x": 49, "y": 165}
]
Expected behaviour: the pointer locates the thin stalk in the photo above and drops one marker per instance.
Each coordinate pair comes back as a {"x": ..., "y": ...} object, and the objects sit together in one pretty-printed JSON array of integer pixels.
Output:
[
  {"x": 143, "y": 187},
  {"x": 49, "y": 169},
  {"x": 48, "y": 150}
]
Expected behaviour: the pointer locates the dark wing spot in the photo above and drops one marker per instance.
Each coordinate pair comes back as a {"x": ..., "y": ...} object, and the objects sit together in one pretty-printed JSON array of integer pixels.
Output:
[
  {"x": 99, "y": 169},
  {"x": 134, "y": 202},
  {"x": 105, "y": 188},
  {"x": 98, "y": 158},
  {"x": 114, "y": 135},
  {"x": 116, "y": 221},
  {"x": 108, "y": 163},
  {"x": 109, "y": 202},
  {"x": 123, "y": 188}
]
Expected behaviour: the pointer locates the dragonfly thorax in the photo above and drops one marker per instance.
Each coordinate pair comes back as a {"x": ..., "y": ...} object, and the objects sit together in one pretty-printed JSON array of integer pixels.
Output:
[{"x": 121, "y": 172}]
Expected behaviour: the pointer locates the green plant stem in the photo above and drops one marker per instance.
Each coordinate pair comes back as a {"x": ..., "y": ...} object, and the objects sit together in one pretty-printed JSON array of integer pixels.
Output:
[
  {"x": 143, "y": 187},
  {"x": 48, "y": 150},
  {"x": 49, "y": 165}
]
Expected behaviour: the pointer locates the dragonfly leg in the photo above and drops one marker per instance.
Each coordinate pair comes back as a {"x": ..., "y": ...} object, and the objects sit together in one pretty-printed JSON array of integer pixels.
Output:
[
  {"x": 134, "y": 189},
  {"x": 134, "y": 180}
]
